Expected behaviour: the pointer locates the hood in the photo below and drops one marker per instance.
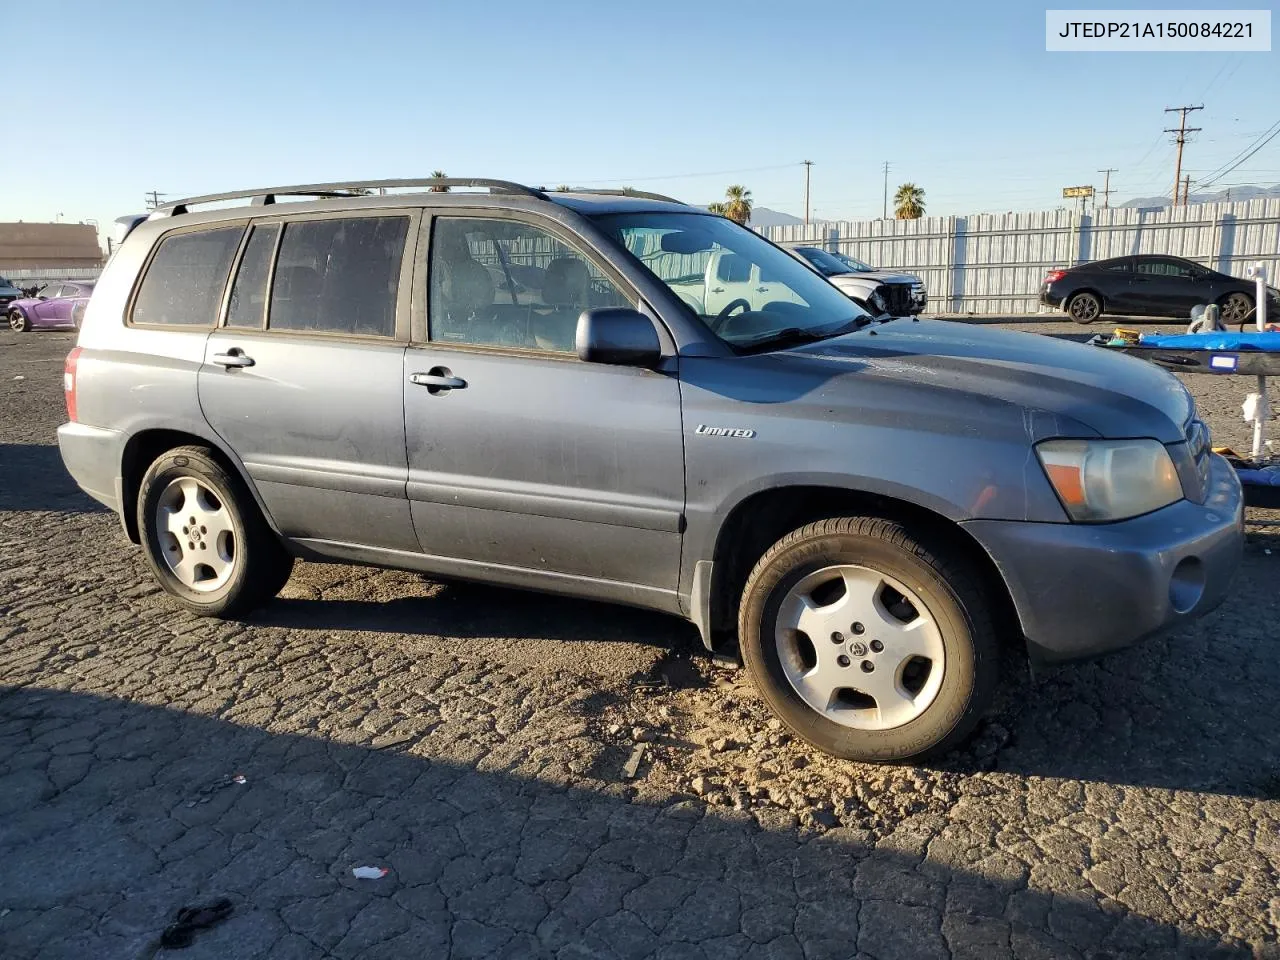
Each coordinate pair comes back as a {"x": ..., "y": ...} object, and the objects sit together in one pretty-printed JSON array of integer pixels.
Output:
[
  {"x": 877, "y": 276},
  {"x": 1110, "y": 394}
]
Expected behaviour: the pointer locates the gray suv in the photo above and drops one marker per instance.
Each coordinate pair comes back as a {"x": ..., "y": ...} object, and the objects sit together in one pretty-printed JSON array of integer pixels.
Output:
[{"x": 545, "y": 390}]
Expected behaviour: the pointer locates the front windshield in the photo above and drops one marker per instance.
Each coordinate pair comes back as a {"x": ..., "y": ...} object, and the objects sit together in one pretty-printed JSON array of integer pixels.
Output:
[
  {"x": 853, "y": 263},
  {"x": 827, "y": 264},
  {"x": 748, "y": 292}
]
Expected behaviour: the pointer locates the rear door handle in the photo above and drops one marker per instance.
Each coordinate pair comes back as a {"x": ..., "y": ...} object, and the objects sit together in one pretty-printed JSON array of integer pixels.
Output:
[
  {"x": 235, "y": 357},
  {"x": 438, "y": 380},
  {"x": 717, "y": 289},
  {"x": 762, "y": 289}
]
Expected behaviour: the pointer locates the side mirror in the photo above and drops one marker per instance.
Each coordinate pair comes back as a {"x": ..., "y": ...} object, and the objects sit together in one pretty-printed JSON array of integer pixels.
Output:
[{"x": 617, "y": 335}]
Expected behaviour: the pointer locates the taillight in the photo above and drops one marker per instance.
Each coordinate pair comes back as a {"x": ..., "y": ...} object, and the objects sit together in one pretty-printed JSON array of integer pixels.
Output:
[
  {"x": 1054, "y": 276},
  {"x": 69, "y": 382}
]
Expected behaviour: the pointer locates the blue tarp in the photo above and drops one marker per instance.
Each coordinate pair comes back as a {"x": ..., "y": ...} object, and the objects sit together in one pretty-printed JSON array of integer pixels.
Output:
[{"x": 1219, "y": 341}]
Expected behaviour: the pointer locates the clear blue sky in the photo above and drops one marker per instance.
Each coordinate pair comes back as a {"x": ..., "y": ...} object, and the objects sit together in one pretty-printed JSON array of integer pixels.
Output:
[{"x": 961, "y": 98}]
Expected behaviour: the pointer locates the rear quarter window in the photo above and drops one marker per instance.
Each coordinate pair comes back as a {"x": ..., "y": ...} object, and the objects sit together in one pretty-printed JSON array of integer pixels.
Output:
[{"x": 184, "y": 282}]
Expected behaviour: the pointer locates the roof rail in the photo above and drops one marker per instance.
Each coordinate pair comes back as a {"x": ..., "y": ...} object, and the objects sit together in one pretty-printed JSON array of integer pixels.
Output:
[
  {"x": 625, "y": 192},
  {"x": 267, "y": 195}
]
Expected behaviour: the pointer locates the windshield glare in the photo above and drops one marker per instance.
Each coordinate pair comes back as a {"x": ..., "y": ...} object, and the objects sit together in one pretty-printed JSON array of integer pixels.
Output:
[{"x": 744, "y": 289}]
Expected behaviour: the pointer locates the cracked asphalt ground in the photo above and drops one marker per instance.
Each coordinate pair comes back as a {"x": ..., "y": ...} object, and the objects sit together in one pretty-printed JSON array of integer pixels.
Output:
[{"x": 471, "y": 742}]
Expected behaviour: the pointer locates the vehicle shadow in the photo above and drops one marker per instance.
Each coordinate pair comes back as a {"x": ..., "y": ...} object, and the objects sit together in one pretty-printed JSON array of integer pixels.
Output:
[
  {"x": 519, "y": 859},
  {"x": 468, "y": 611},
  {"x": 32, "y": 477}
]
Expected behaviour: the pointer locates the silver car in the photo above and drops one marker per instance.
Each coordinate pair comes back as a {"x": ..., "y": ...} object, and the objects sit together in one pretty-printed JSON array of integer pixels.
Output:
[{"x": 546, "y": 390}]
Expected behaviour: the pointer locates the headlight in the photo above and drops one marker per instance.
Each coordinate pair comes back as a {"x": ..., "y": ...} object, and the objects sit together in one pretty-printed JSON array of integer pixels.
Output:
[{"x": 1101, "y": 480}]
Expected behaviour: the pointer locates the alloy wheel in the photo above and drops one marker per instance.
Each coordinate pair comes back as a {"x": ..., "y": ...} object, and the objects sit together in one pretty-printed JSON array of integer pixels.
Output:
[
  {"x": 860, "y": 647},
  {"x": 197, "y": 537},
  {"x": 1235, "y": 308}
]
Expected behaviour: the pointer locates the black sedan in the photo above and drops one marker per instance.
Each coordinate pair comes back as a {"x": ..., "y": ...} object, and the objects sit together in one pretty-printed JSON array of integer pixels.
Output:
[{"x": 1149, "y": 285}]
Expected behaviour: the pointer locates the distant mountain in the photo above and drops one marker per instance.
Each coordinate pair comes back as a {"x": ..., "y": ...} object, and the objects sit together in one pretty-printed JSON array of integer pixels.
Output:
[
  {"x": 1230, "y": 193},
  {"x": 764, "y": 217}
]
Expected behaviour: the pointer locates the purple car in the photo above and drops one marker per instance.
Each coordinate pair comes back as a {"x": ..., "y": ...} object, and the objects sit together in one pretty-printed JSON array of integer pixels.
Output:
[{"x": 58, "y": 304}]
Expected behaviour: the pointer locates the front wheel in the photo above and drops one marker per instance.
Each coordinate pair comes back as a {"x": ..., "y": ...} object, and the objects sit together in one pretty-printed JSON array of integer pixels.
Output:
[
  {"x": 204, "y": 538},
  {"x": 867, "y": 640},
  {"x": 18, "y": 322},
  {"x": 1084, "y": 308}
]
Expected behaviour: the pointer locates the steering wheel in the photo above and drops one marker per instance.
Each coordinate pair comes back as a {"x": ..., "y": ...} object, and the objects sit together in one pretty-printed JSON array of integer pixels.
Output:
[{"x": 723, "y": 316}]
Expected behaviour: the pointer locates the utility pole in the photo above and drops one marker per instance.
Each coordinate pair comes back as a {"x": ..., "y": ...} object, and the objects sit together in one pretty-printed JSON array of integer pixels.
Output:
[
  {"x": 885, "y": 214},
  {"x": 1180, "y": 138},
  {"x": 153, "y": 198},
  {"x": 807, "y": 165},
  {"x": 1106, "y": 188},
  {"x": 1186, "y": 189}
]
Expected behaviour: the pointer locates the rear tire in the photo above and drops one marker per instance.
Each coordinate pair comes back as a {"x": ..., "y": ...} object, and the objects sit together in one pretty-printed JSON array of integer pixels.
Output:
[
  {"x": 885, "y": 702},
  {"x": 204, "y": 537},
  {"x": 1235, "y": 308},
  {"x": 18, "y": 322},
  {"x": 1084, "y": 307}
]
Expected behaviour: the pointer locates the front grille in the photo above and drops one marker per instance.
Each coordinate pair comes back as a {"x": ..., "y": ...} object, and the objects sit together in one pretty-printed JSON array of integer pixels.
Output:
[{"x": 897, "y": 296}]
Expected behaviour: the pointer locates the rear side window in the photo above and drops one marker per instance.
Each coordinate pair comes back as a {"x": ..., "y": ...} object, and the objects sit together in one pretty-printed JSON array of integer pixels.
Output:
[
  {"x": 248, "y": 306},
  {"x": 339, "y": 276},
  {"x": 185, "y": 280},
  {"x": 1116, "y": 266}
]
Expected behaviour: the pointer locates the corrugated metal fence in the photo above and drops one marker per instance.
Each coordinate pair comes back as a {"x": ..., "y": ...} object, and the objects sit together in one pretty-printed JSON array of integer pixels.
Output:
[{"x": 994, "y": 263}]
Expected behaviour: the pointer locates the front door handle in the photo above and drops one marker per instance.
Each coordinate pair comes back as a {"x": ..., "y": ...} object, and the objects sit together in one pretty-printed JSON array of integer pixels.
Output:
[
  {"x": 235, "y": 357},
  {"x": 438, "y": 380}
]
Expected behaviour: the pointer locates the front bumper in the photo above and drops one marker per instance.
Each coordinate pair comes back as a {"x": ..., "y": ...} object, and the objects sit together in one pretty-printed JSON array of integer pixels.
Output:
[
  {"x": 1085, "y": 589},
  {"x": 92, "y": 457}
]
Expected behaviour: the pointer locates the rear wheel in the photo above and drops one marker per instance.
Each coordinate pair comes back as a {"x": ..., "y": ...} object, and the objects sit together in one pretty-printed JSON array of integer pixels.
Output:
[
  {"x": 18, "y": 322},
  {"x": 868, "y": 640},
  {"x": 204, "y": 537},
  {"x": 1235, "y": 307},
  {"x": 1084, "y": 307}
]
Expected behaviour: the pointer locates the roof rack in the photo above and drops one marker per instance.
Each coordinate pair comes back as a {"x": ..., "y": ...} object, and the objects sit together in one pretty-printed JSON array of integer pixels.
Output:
[
  {"x": 353, "y": 188},
  {"x": 625, "y": 192}
]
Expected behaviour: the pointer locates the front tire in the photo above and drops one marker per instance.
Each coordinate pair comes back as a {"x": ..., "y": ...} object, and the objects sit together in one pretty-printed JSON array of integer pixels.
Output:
[
  {"x": 204, "y": 537},
  {"x": 18, "y": 322},
  {"x": 869, "y": 640},
  {"x": 1084, "y": 307}
]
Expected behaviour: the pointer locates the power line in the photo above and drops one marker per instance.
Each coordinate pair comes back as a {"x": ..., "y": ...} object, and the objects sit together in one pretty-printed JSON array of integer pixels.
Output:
[
  {"x": 1180, "y": 139},
  {"x": 1267, "y": 136}
]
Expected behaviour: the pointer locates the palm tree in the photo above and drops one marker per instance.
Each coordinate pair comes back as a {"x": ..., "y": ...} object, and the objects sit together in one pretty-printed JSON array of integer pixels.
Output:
[
  {"x": 908, "y": 202},
  {"x": 439, "y": 175},
  {"x": 564, "y": 188},
  {"x": 738, "y": 205},
  {"x": 718, "y": 208}
]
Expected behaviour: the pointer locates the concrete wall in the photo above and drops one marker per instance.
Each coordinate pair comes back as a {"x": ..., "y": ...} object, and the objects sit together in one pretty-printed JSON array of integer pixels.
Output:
[{"x": 994, "y": 263}]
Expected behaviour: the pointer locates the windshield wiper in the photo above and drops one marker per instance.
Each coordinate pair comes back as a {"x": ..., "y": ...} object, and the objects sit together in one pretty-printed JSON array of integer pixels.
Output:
[{"x": 794, "y": 336}]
